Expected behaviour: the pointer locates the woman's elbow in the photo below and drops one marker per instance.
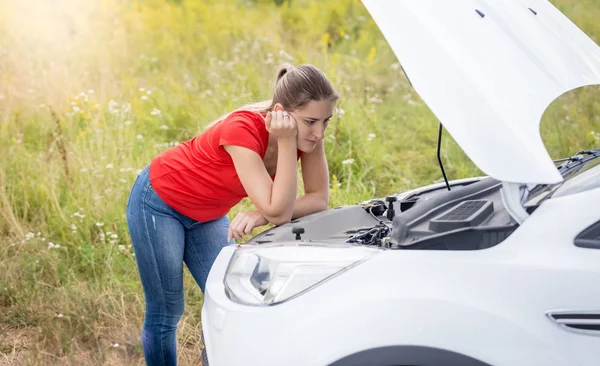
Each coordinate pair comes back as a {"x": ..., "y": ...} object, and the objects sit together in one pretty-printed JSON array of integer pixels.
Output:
[
  {"x": 323, "y": 203},
  {"x": 280, "y": 220}
]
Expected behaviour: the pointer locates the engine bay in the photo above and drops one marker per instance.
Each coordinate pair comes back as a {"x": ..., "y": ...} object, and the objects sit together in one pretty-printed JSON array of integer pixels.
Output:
[{"x": 470, "y": 216}]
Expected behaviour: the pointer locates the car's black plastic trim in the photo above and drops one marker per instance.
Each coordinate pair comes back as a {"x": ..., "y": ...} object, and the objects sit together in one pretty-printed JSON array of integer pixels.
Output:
[
  {"x": 408, "y": 355},
  {"x": 405, "y": 220},
  {"x": 590, "y": 237}
]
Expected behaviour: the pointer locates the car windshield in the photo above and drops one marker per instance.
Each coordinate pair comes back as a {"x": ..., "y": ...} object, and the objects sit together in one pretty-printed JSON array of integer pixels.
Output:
[
  {"x": 586, "y": 178},
  {"x": 578, "y": 177}
]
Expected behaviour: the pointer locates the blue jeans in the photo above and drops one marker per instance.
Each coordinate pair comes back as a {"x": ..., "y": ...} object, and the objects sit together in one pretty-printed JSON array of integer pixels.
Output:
[{"x": 163, "y": 239}]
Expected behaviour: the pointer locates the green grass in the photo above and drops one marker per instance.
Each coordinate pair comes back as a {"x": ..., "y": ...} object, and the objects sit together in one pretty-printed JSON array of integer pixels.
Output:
[{"x": 79, "y": 82}]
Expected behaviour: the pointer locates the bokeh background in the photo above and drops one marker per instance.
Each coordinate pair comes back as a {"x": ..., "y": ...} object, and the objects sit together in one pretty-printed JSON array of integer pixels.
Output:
[{"x": 91, "y": 91}]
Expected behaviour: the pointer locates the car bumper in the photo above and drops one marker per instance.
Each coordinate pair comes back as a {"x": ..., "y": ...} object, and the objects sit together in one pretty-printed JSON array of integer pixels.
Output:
[{"x": 236, "y": 334}]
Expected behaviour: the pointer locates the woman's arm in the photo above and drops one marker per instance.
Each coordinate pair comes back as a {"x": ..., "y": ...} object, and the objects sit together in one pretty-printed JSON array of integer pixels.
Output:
[
  {"x": 316, "y": 185},
  {"x": 273, "y": 199},
  {"x": 315, "y": 176}
]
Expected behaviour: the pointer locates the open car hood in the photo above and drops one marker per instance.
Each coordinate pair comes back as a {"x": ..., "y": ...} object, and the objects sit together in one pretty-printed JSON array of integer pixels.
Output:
[{"x": 488, "y": 70}]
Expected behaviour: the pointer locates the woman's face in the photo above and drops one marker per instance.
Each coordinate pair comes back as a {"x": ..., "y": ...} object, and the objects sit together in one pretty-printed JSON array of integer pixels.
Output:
[{"x": 312, "y": 121}]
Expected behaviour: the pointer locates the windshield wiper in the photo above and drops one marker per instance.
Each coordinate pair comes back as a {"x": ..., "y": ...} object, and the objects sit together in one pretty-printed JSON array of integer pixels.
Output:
[
  {"x": 581, "y": 159},
  {"x": 576, "y": 158}
]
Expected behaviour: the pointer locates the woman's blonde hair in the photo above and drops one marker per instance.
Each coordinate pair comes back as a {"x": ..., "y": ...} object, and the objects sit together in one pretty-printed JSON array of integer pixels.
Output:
[{"x": 294, "y": 88}]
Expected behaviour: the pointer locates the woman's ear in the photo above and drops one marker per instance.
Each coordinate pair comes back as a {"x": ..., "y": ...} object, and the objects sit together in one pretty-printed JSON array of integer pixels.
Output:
[{"x": 278, "y": 107}]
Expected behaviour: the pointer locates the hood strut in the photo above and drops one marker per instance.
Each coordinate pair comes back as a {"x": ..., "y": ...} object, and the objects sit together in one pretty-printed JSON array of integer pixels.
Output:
[{"x": 440, "y": 158}]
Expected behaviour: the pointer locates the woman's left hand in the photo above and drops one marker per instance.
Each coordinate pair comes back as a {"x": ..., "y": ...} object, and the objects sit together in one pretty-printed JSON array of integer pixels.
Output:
[{"x": 243, "y": 223}]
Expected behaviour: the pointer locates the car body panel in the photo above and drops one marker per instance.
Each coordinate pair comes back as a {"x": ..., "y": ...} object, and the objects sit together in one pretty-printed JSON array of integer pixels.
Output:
[{"x": 489, "y": 304}]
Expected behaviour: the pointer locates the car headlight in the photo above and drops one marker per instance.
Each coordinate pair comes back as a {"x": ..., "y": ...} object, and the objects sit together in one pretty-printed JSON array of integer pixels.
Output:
[{"x": 268, "y": 274}]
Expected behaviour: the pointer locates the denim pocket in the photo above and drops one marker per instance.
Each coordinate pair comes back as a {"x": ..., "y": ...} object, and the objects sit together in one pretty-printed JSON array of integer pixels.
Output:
[{"x": 153, "y": 200}]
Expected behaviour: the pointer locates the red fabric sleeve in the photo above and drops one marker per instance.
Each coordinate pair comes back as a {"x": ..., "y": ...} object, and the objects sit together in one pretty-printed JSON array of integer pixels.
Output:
[{"x": 241, "y": 128}]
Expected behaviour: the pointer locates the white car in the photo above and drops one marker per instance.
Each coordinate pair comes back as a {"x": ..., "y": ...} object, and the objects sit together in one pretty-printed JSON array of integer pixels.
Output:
[{"x": 500, "y": 270}]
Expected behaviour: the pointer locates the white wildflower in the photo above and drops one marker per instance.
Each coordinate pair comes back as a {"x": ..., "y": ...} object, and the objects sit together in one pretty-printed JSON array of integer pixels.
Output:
[
  {"x": 59, "y": 315},
  {"x": 286, "y": 55},
  {"x": 155, "y": 112},
  {"x": 144, "y": 97},
  {"x": 122, "y": 248},
  {"x": 348, "y": 161},
  {"x": 109, "y": 166},
  {"x": 122, "y": 180},
  {"x": 113, "y": 107},
  {"x": 115, "y": 345},
  {"x": 141, "y": 90},
  {"x": 139, "y": 137},
  {"x": 148, "y": 91},
  {"x": 82, "y": 96},
  {"x": 99, "y": 224},
  {"x": 371, "y": 136},
  {"x": 164, "y": 127},
  {"x": 114, "y": 236}
]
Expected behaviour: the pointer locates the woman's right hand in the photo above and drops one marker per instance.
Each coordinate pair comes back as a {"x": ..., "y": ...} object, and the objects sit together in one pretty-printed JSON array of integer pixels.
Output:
[{"x": 281, "y": 125}]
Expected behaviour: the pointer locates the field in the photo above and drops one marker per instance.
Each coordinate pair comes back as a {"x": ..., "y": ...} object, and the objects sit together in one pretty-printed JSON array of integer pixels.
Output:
[{"x": 91, "y": 91}]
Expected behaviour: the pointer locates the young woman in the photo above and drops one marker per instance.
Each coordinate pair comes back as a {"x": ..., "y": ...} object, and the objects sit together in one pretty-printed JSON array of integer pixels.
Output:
[{"x": 177, "y": 208}]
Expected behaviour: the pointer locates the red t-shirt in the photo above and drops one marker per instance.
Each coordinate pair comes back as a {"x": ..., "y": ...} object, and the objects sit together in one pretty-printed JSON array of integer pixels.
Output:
[{"x": 197, "y": 178}]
